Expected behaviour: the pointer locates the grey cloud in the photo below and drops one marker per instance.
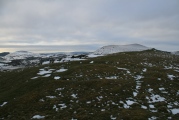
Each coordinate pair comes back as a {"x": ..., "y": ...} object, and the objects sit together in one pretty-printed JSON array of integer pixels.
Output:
[{"x": 91, "y": 22}]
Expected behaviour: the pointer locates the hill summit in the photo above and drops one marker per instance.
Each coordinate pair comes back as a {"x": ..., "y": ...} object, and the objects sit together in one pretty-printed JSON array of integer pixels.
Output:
[{"x": 120, "y": 48}]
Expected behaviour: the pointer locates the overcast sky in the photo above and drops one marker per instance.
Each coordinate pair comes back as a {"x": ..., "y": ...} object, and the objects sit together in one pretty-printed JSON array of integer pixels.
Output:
[{"x": 153, "y": 23}]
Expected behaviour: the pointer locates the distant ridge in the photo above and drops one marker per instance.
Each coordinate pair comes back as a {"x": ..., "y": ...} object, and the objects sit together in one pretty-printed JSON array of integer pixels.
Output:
[
  {"x": 4, "y": 53},
  {"x": 20, "y": 55},
  {"x": 120, "y": 48},
  {"x": 22, "y": 51},
  {"x": 176, "y": 52}
]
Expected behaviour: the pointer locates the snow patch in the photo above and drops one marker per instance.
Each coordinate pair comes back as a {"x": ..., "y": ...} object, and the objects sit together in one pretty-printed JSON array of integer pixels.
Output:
[
  {"x": 47, "y": 75},
  {"x": 55, "y": 107},
  {"x": 155, "y": 98},
  {"x": 92, "y": 62},
  {"x": 111, "y": 77},
  {"x": 175, "y": 111},
  {"x": 102, "y": 109},
  {"x": 46, "y": 62},
  {"x": 144, "y": 107},
  {"x": 112, "y": 117},
  {"x": 88, "y": 102},
  {"x": 161, "y": 88},
  {"x": 38, "y": 117},
  {"x": 170, "y": 76},
  {"x": 56, "y": 77},
  {"x": 34, "y": 78},
  {"x": 62, "y": 106},
  {"x": 51, "y": 97},
  {"x": 130, "y": 102},
  {"x": 58, "y": 89},
  {"x": 68, "y": 58},
  {"x": 122, "y": 68},
  {"x": 43, "y": 72},
  {"x": 151, "y": 106},
  {"x": 152, "y": 118},
  {"x": 144, "y": 70},
  {"x": 74, "y": 96},
  {"x": 159, "y": 79},
  {"x": 138, "y": 77},
  {"x": 93, "y": 55},
  {"x": 135, "y": 94},
  {"x": 4, "y": 103},
  {"x": 61, "y": 70}
]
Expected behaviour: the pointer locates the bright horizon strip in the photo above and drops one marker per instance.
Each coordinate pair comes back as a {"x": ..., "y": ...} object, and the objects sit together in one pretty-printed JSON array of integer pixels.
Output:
[{"x": 47, "y": 49}]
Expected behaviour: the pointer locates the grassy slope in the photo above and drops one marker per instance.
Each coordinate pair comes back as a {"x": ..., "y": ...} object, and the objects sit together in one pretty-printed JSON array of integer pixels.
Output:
[{"x": 94, "y": 92}]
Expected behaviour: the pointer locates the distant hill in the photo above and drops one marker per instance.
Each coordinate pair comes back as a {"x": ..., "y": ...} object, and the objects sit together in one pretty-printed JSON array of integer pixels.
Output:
[
  {"x": 120, "y": 48},
  {"x": 20, "y": 55},
  {"x": 4, "y": 53},
  {"x": 176, "y": 52}
]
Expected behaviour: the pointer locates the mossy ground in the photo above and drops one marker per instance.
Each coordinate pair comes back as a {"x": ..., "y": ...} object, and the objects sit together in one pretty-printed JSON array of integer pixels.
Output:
[{"x": 97, "y": 98}]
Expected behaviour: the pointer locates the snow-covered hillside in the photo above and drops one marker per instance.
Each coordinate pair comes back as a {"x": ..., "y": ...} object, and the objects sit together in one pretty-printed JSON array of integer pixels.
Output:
[
  {"x": 21, "y": 59},
  {"x": 120, "y": 48},
  {"x": 20, "y": 55}
]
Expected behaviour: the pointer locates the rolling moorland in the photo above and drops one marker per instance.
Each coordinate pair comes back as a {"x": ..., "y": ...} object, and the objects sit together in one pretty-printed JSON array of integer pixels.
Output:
[{"x": 142, "y": 85}]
